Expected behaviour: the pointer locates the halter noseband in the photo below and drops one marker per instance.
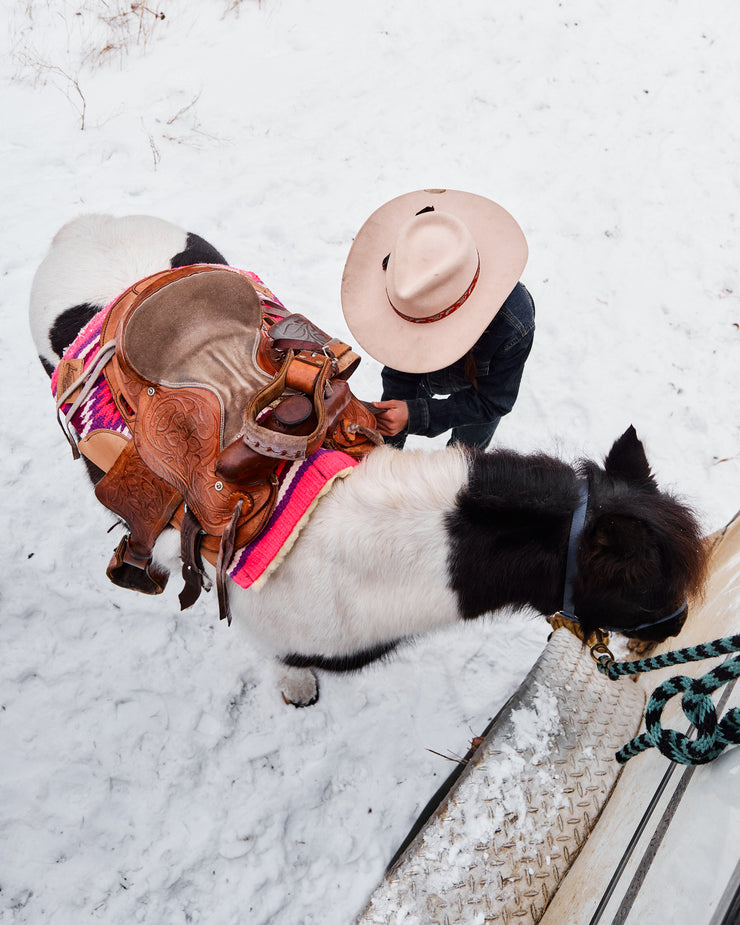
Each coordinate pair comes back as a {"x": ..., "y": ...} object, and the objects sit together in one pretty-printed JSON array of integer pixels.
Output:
[{"x": 571, "y": 569}]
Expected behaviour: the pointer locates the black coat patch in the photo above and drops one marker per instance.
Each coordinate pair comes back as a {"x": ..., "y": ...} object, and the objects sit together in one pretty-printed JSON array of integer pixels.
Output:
[
  {"x": 68, "y": 325},
  {"x": 352, "y": 662},
  {"x": 197, "y": 250},
  {"x": 510, "y": 523}
]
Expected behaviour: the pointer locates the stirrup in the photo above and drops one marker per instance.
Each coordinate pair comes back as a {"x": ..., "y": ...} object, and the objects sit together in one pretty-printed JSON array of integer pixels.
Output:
[{"x": 127, "y": 570}]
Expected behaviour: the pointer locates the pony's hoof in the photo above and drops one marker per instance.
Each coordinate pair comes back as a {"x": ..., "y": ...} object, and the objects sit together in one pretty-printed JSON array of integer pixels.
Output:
[{"x": 299, "y": 687}]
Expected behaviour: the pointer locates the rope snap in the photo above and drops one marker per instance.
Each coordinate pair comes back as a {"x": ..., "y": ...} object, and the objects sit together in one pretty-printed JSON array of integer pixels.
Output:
[{"x": 602, "y": 655}]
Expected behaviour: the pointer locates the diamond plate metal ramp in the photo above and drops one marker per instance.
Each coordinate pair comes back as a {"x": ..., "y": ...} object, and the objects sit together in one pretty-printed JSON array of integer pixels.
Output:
[{"x": 497, "y": 847}]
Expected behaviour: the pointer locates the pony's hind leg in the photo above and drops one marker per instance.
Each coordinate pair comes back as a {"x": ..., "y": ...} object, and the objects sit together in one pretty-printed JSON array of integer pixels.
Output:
[{"x": 299, "y": 686}]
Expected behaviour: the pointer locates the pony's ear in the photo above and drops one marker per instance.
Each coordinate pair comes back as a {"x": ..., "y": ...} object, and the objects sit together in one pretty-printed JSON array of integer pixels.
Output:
[
  {"x": 622, "y": 550},
  {"x": 627, "y": 460}
]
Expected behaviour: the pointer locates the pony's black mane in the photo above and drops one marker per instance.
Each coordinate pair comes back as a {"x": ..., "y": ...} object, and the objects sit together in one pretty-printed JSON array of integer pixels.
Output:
[
  {"x": 511, "y": 519},
  {"x": 537, "y": 483}
]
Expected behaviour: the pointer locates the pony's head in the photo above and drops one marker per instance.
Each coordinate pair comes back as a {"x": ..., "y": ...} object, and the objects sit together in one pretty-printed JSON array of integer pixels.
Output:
[{"x": 641, "y": 554}]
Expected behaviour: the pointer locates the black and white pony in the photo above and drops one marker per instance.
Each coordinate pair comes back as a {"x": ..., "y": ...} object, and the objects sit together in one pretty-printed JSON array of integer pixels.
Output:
[{"x": 411, "y": 540}]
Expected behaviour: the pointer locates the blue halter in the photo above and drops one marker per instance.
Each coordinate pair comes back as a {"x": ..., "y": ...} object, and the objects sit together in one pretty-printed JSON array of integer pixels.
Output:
[
  {"x": 571, "y": 569},
  {"x": 574, "y": 541}
]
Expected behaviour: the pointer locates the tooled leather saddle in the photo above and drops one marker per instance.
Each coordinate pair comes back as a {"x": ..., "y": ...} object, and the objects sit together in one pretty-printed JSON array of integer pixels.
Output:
[{"x": 216, "y": 393}]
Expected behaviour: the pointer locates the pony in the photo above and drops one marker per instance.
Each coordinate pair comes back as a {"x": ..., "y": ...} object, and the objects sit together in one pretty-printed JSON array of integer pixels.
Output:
[{"x": 411, "y": 541}]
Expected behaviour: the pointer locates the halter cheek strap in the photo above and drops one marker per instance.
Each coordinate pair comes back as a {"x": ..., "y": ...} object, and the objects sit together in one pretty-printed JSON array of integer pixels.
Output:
[{"x": 574, "y": 541}]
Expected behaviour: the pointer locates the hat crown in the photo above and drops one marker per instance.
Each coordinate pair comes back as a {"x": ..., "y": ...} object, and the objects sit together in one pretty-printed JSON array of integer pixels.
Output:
[{"x": 433, "y": 262}]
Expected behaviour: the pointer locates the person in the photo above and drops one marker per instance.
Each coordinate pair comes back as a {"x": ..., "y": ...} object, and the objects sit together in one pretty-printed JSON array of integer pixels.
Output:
[{"x": 431, "y": 290}]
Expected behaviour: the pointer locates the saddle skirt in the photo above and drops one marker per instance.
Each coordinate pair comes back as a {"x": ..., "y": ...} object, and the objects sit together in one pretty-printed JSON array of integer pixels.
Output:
[{"x": 217, "y": 386}]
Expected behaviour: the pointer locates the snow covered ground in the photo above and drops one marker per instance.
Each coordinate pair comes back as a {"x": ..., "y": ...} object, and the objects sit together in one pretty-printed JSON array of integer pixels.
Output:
[{"x": 149, "y": 772}]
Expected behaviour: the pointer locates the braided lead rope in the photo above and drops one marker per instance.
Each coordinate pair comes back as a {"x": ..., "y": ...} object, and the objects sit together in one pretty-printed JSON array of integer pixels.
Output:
[{"x": 712, "y": 735}]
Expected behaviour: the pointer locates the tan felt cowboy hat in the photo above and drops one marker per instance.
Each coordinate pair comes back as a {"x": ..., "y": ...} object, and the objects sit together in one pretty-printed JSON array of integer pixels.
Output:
[{"x": 426, "y": 274}]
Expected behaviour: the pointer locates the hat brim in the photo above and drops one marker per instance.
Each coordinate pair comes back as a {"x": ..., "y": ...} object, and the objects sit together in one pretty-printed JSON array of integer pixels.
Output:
[{"x": 420, "y": 348}]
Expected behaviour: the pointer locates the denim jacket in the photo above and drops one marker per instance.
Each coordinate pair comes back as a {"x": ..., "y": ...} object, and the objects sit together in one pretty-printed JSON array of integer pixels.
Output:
[{"x": 499, "y": 355}]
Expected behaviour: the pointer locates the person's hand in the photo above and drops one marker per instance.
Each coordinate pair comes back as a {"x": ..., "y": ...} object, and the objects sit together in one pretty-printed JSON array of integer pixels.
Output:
[{"x": 392, "y": 417}]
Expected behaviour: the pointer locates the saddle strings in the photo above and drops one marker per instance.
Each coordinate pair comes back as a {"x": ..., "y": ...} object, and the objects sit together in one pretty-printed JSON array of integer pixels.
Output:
[{"x": 87, "y": 380}]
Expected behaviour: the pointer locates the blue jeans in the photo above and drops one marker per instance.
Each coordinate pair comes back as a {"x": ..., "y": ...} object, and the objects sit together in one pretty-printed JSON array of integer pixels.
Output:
[
  {"x": 477, "y": 436},
  {"x": 447, "y": 382}
]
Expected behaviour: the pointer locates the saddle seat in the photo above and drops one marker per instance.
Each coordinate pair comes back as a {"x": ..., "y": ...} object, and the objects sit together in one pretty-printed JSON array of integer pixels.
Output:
[{"x": 216, "y": 393}]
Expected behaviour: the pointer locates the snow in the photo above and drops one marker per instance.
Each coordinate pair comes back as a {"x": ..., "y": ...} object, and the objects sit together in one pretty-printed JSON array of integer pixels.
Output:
[{"x": 150, "y": 773}]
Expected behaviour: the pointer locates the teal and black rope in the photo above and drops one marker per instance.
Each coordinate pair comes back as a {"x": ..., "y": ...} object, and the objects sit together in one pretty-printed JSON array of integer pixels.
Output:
[
  {"x": 712, "y": 735},
  {"x": 723, "y": 646}
]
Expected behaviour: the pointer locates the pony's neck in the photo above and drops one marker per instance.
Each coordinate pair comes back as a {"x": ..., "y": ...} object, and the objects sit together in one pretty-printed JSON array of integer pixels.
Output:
[{"x": 509, "y": 533}]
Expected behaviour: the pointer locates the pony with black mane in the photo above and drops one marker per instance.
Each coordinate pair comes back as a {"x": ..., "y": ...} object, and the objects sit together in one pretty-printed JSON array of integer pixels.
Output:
[{"x": 410, "y": 541}]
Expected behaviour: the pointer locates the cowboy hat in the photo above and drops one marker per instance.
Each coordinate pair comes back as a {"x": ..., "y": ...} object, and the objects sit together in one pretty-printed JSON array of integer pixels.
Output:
[{"x": 426, "y": 274}]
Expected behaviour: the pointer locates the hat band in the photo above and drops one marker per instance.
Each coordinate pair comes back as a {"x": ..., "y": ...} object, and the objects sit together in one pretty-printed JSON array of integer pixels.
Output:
[{"x": 445, "y": 311}]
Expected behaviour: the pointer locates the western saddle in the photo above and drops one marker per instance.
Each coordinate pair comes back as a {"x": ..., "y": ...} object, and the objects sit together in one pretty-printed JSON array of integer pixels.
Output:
[{"x": 216, "y": 394}]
